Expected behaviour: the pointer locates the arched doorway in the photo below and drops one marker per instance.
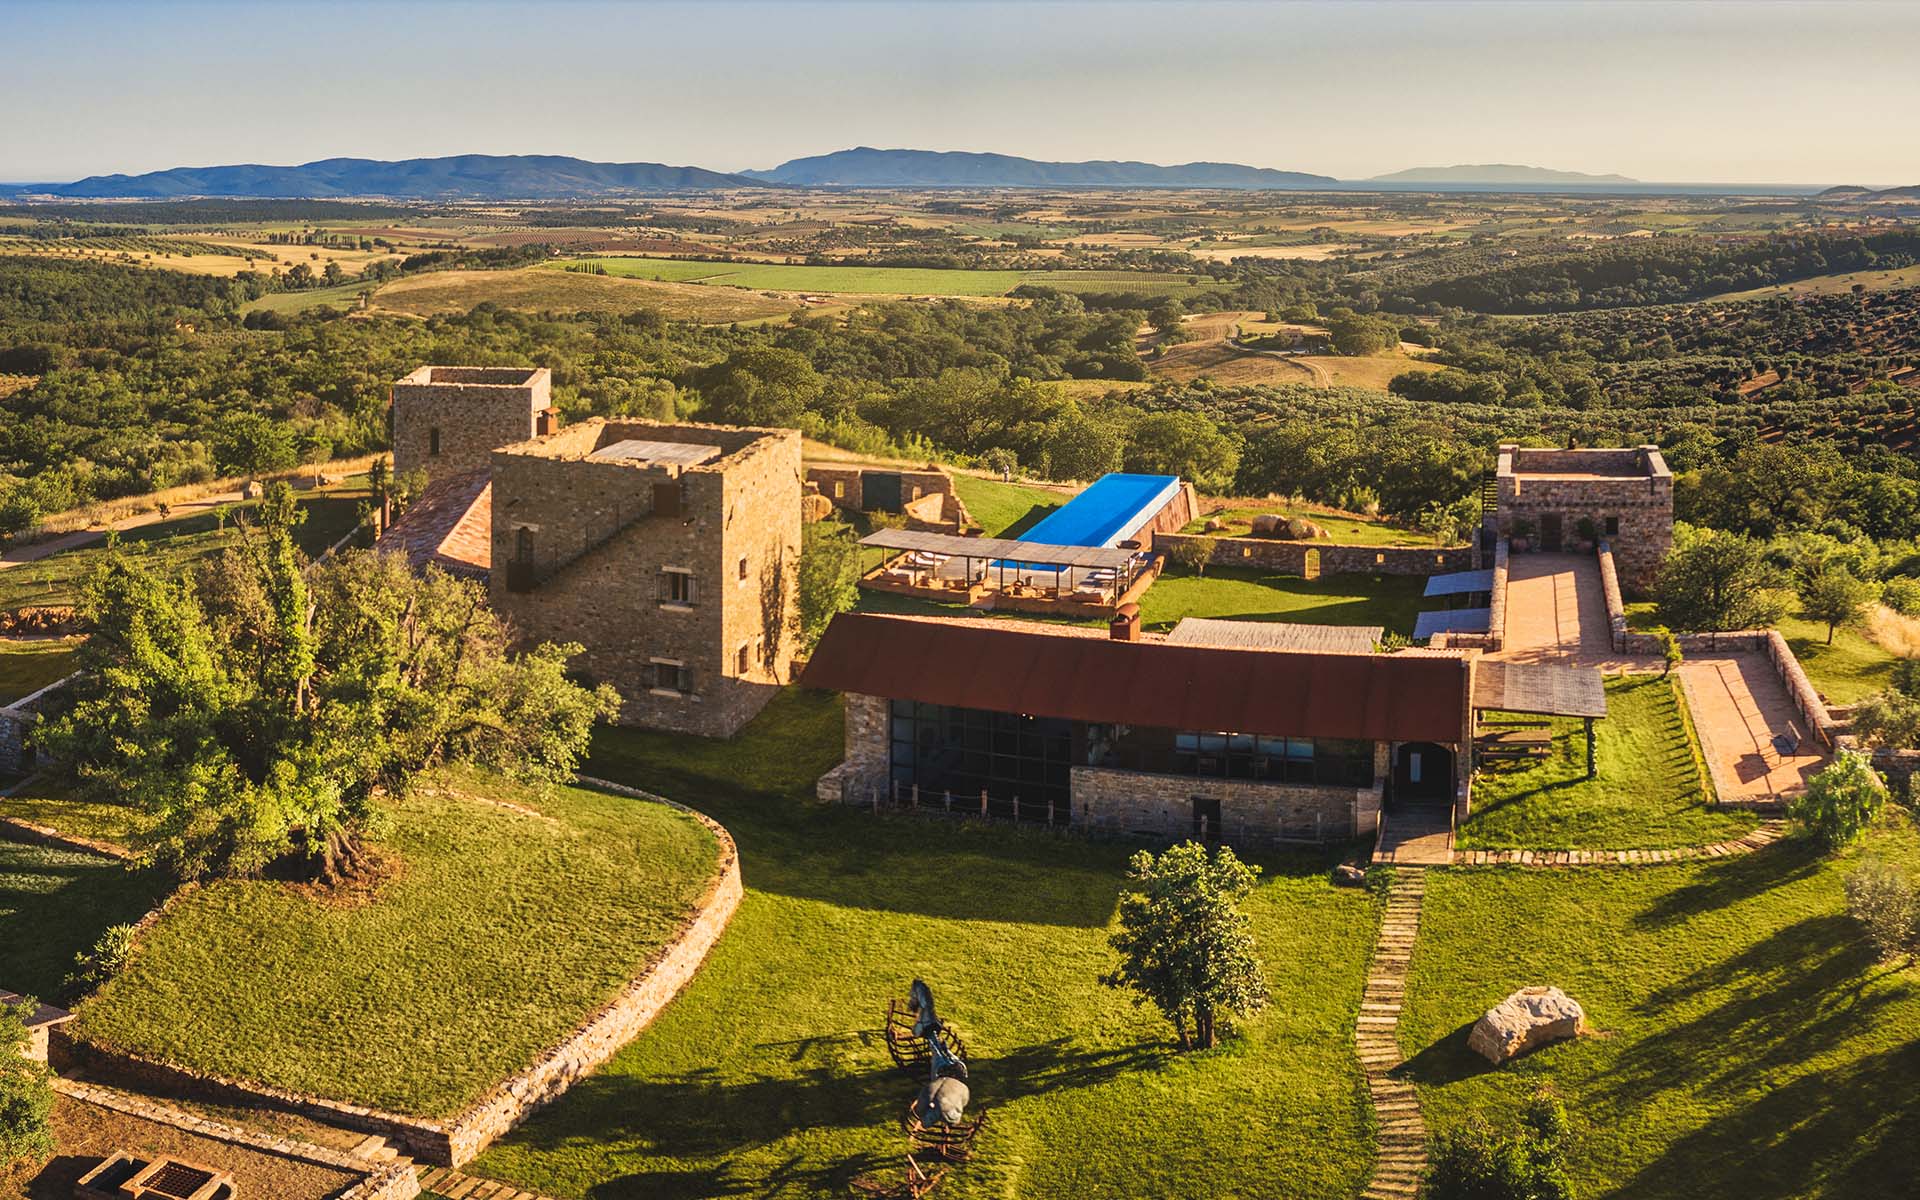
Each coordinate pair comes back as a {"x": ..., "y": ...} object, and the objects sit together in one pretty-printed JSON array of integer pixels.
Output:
[
  {"x": 1310, "y": 568},
  {"x": 1422, "y": 771}
]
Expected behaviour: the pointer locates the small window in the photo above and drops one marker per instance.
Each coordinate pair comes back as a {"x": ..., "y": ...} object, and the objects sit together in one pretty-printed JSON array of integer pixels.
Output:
[
  {"x": 523, "y": 545},
  {"x": 745, "y": 659},
  {"x": 1246, "y": 552},
  {"x": 669, "y": 675},
  {"x": 677, "y": 586},
  {"x": 1613, "y": 526},
  {"x": 1379, "y": 559},
  {"x": 743, "y": 568},
  {"x": 839, "y": 489},
  {"x": 433, "y": 440}
]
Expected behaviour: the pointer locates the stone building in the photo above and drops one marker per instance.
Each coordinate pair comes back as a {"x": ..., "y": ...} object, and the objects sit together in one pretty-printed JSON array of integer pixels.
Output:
[
  {"x": 670, "y": 552},
  {"x": 1117, "y": 732},
  {"x": 1624, "y": 496},
  {"x": 451, "y": 419}
]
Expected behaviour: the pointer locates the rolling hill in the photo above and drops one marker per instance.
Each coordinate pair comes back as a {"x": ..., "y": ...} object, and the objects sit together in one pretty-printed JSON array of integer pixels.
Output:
[
  {"x": 465, "y": 176},
  {"x": 867, "y": 167}
]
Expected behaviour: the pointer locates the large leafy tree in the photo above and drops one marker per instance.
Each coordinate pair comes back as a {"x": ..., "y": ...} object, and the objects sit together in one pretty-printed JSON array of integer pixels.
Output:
[
  {"x": 1185, "y": 946},
  {"x": 26, "y": 1094},
  {"x": 1715, "y": 580},
  {"x": 1836, "y": 598},
  {"x": 257, "y": 709}
]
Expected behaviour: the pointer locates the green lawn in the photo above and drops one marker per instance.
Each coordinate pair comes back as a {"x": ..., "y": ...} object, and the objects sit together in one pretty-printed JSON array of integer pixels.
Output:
[
  {"x": 1848, "y": 671},
  {"x": 173, "y": 544},
  {"x": 1647, "y": 795},
  {"x": 1342, "y": 530},
  {"x": 1751, "y": 1045},
  {"x": 54, "y": 904},
  {"x": 1390, "y": 601},
  {"x": 497, "y": 933},
  {"x": 768, "y": 1077},
  {"x": 343, "y": 296},
  {"x": 785, "y": 278},
  {"x": 49, "y": 803},
  {"x": 29, "y": 664},
  {"x": 1005, "y": 509}
]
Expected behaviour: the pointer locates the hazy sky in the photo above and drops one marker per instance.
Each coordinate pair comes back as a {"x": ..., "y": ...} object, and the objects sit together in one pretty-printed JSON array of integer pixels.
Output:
[{"x": 1719, "y": 92}]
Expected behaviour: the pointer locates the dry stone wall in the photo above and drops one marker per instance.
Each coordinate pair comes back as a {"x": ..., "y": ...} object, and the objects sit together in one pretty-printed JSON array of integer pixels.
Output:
[{"x": 1292, "y": 558}]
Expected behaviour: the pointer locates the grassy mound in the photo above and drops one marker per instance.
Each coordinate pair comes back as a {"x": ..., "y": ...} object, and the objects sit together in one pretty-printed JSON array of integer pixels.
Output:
[
  {"x": 1752, "y": 1046},
  {"x": 768, "y": 1077},
  {"x": 509, "y": 917}
]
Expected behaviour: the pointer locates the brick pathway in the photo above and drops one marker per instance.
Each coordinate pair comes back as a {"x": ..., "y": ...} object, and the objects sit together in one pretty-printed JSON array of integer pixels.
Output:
[
  {"x": 1402, "y": 1164},
  {"x": 452, "y": 1184},
  {"x": 1739, "y": 707},
  {"x": 1768, "y": 833}
]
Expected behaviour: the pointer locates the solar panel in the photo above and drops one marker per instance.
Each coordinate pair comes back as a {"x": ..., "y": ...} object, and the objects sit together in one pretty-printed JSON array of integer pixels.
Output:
[
  {"x": 1459, "y": 583},
  {"x": 685, "y": 454},
  {"x": 1457, "y": 620}
]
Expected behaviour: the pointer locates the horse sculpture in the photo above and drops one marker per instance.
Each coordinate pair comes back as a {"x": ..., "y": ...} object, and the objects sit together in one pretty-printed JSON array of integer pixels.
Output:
[{"x": 938, "y": 1131}]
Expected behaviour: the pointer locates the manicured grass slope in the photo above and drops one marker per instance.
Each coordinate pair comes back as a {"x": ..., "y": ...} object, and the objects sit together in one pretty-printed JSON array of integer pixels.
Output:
[
  {"x": 50, "y": 804},
  {"x": 1647, "y": 794},
  {"x": 1005, "y": 509},
  {"x": 499, "y": 932},
  {"x": 1752, "y": 1046},
  {"x": 1390, "y": 601},
  {"x": 27, "y": 665},
  {"x": 54, "y": 904},
  {"x": 173, "y": 544},
  {"x": 1341, "y": 529},
  {"x": 1851, "y": 669},
  {"x": 768, "y": 1077}
]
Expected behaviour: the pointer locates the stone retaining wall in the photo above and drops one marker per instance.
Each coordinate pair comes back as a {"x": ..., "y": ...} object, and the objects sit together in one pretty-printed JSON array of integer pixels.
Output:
[
  {"x": 1291, "y": 558},
  {"x": 378, "y": 1181},
  {"x": 457, "y": 1141},
  {"x": 1110, "y": 800},
  {"x": 1497, "y": 598},
  {"x": 17, "y": 721}
]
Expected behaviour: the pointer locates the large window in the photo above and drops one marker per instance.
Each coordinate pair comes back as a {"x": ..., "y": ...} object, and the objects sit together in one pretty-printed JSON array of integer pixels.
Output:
[
  {"x": 1330, "y": 762},
  {"x": 967, "y": 751}
]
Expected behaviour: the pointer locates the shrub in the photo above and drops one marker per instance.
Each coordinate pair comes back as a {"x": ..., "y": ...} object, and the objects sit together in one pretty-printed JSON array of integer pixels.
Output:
[
  {"x": 100, "y": 962},
  {"x": 1883, "y": 900},
  {"x": 26, "y": 1094},
  {"x": 1840, "y": 801},
  {"x": 1191, "y": 555},
  {"x": 1472, "y": 1163},
  {"x": 1902, "y": 595}
]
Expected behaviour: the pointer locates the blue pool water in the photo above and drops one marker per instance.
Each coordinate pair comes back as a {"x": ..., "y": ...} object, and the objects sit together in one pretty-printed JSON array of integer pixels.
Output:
[{"x": 1111, "y": 508}]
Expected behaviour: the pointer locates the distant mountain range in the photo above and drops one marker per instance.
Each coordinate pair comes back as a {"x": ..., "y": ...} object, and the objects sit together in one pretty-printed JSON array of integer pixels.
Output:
[
  {"x": 1856, "y": 192},
  {"x": 508, "y": 177},
  {"x": 462, "y": 177},
  {"x": 1495, "y": 173},
  {"x": 864, "y": 166}
]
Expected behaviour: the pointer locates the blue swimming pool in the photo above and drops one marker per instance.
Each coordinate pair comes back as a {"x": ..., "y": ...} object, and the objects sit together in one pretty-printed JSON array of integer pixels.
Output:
[{"x": 1110, "y": 510}]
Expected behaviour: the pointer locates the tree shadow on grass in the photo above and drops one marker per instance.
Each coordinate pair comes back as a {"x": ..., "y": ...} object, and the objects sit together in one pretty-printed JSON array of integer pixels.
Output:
[
  {"x": 1723, "y": 882},
  {"x": 701, "y": 1115},
  {"x": 1445, "y": 1060},
  {"x": 55, "y": 903}
]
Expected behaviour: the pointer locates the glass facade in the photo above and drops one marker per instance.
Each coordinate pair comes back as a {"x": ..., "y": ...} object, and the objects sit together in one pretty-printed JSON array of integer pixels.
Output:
[
  {"x": 1327, "y": 762},
  {"x": 1014, "y": 759}
]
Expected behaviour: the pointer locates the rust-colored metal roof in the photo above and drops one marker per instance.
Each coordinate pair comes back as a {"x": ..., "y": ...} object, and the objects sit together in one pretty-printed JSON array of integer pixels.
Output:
[{"x": 1024, "y": 667}]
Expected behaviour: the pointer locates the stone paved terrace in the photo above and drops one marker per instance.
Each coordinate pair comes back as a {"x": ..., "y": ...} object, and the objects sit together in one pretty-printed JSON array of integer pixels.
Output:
[
  {"x": 1557, "y": 613},
  {"x": 1740, "y": 707}
]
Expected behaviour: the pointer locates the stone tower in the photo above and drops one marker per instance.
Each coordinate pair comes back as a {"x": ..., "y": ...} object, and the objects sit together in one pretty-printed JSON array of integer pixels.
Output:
[{"x": 451, "y": 419}]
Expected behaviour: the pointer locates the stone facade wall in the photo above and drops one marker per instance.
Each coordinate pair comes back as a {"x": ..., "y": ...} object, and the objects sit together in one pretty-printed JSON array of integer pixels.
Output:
[
  {"x": 862, "y": 774},
  {"x": 475, "y": 409},
  {"x": 1290, "y": 558},
  {"x": 1139, "y": 802},
  {"x": 1631, "y": 486},
  {"x": 1173, "y": 516},
  {"x": 17, "y": 721},
  {"x": 600, "y": 550},
  {"x": 459, "y": 1140}
]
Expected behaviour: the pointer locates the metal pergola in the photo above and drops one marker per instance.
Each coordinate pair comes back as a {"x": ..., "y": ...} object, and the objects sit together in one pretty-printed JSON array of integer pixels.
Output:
[{"x": 1023, "y": 558}]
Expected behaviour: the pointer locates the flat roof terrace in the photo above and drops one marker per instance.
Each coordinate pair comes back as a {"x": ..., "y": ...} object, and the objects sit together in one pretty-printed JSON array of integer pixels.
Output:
[
  {"x": 1609, "y": 463},
  {"x": 513, "y": 377}
]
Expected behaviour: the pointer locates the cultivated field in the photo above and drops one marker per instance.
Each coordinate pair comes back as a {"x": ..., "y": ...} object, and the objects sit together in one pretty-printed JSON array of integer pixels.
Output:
[{"x": 537, "y": 289}]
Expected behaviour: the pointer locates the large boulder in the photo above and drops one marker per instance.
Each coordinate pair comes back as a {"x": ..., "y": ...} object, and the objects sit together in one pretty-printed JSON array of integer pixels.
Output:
[
  {"x": 1279, "y": 525},
  {"x": 943, "y": 1101},
  {"x": 1525, "y": 1021}
]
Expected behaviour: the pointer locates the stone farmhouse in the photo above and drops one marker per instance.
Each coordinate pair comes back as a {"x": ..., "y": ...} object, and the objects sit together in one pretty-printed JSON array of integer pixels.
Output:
[
  {"x": 669, "y": 551},
  {"x": 1625, "y": 495}
]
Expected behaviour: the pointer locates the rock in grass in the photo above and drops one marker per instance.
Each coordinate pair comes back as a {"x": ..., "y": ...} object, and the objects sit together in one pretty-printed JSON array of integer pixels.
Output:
[
  {"x": 1348, "y": 875},
  {"x": 1525, "y": 1021}
]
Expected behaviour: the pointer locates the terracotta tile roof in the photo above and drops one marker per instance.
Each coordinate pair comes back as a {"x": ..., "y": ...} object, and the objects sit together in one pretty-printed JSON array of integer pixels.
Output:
[
  {"x": 450, "y": 526},
  {"x": 1041, "y": 671}
]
